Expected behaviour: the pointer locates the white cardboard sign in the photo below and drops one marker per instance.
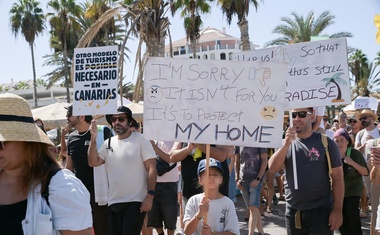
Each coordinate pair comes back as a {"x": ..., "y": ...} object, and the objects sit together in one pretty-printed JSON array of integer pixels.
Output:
[
  {"x": 317, "y": 74},
  {"x": 214, "y": 102},
  {"x": 95, "y": 80}
]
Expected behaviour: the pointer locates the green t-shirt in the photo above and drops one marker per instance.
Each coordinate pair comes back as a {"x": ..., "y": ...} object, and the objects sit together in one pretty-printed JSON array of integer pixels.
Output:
[{"x": 353, "y": 182}]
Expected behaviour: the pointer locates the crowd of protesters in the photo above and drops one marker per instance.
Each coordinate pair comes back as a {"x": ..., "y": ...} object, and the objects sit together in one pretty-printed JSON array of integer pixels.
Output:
[{"x": 104, "y": 181}]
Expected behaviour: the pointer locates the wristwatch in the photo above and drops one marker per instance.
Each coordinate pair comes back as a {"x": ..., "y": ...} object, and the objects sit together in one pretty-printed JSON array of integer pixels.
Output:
[
  {"x": 258, "y": 178},
  {"x": 151, "y": 192}
]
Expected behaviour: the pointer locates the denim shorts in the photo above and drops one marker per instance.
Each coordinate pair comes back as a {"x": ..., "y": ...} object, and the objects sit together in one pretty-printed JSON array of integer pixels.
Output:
[
  {"x": 165, "y": 206},
  {"x": 251, "y": 195}
]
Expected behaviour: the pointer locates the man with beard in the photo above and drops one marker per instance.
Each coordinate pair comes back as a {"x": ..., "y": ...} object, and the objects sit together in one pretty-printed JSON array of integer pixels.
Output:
[
  {"x": 315, "y": 207},
  {"x": 130, "y": 164},
  {"x": 363, "y": 142},
  {"x": 343, "y": 121},
  {"x": 77, "y": 147}
]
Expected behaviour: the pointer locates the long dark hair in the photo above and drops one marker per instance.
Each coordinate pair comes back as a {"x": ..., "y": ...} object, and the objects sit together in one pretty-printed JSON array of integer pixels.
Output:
[{"x": 39, "y": 162}]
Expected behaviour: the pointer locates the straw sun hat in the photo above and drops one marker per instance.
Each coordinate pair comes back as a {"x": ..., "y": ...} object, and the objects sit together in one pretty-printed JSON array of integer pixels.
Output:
[
  {"x": 366, "y": 112},
  {"x": 16, "y": 121}
]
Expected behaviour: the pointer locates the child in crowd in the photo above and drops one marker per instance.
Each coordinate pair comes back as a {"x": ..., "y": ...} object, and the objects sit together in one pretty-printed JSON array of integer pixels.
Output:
[{"x": 219, "y": 209}]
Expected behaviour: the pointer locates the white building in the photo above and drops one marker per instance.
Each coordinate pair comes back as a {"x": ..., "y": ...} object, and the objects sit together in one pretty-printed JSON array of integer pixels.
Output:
[
  {"x": 44, "y": 97},
  {"x": 213, "y": 44}
]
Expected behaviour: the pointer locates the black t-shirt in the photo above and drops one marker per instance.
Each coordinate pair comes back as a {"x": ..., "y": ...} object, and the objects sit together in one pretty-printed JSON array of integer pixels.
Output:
[
  {"x": 11, "y": 217},
  {"x": 77, "y": 147},
  {"x": 189, "y": 172}
]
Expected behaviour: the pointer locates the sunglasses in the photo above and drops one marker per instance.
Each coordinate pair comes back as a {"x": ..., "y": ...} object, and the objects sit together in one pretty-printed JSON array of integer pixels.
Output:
[
  {"x": 301, "y": 114},
  {"x": 363, "y": 118},
  {"x": 121, "y": 119},
  {"x": 2, "y": 143},
  {"x": 353, "y": 121}
]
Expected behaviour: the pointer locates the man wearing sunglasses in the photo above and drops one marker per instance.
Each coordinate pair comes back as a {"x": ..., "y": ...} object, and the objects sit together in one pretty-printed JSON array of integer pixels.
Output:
[
  {"x": 356, "y": 126},
  {"x": 77, "y": 147},
  {"x": 130, "y": 165},
  {"x": 363, "y": 142},
  {"x": 343, "y": 121},
  {"x": 315, "y": 207}
]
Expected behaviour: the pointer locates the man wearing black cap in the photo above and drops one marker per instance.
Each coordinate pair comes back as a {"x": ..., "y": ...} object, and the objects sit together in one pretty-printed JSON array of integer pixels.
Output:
[
  {"x": 77, "y": 148},
  {"x": 130, "y": 164}
]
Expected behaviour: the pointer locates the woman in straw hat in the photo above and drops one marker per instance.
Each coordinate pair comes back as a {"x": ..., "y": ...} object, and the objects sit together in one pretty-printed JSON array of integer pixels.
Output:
[{"x": 37, "y": 196}]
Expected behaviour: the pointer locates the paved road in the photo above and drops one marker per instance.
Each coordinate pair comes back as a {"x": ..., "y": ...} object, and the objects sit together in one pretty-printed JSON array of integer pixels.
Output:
[{"x": 274, "y": 223}]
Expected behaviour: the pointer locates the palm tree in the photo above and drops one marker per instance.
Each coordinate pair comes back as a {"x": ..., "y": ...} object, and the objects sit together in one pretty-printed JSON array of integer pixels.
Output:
[
  {"x": 365, "y": 74},
  {"x": 146, "y": 20},
  {"x": 22, "y": 85},
  {"x": 191, "y": 11},
  {"x": 336, "y": 80},
  {"x": 241, "y": 9},
  {"x": 65, "y": 29},
  {"x": 89, "y": 13},
  {"x": 299, "y": 29},
  {"x": 92, "y": 13},
  {"x": 27, "y": 17}
]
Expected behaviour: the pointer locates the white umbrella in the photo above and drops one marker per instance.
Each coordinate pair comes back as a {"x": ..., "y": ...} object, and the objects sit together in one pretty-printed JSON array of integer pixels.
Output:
[
  {"x": 137, "y": 110},
  {"x": 53, "y": 115}
]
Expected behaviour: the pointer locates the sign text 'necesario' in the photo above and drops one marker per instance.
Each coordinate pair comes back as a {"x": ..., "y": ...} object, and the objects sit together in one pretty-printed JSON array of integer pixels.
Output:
[{"x": 95, "y": 80}]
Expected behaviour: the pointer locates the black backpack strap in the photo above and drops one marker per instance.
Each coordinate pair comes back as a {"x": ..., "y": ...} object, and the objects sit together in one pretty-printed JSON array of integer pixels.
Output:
[
  {"x": 172, "y": 166},
  {"x": 109, "y": 142},
  {"x": 45, "y": 193}
]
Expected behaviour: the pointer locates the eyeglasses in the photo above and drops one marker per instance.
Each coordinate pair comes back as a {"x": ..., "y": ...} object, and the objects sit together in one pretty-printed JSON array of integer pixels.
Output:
[
  {"x": 301, "y": 114},
  {"x": 363, "y": 118},
  {"x": 2, "y": 143},
  {"x": 121, "y": 119},
  {"x": 353, "y": 121}
]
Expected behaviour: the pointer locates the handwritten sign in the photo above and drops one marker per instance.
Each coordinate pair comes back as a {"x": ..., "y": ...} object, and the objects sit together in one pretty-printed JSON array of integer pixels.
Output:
[
  {"x": 214, "y": 102},
  {"x": 362, "y": 102},
  {"x": 95, "y": 80},
  {"x": 317, "y": 71}
]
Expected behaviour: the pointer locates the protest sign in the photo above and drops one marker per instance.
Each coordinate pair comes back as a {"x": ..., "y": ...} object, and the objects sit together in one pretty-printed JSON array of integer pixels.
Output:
[
  {"x": 95, "y": 80},
  {"x": 317, "y": 72},
  {"x": 363, "y": 102},
  {"x": 214, "y": 102}
]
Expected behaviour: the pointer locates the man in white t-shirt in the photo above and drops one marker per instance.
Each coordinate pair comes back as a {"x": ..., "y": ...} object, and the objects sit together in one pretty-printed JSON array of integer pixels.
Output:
[
  {"x": 363, "y": 138},
  {"x": 130, "y": 164}
]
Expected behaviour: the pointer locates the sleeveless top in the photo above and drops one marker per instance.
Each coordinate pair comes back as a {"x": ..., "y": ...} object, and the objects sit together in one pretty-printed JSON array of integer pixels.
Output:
[{"x": 11, "y": 217}]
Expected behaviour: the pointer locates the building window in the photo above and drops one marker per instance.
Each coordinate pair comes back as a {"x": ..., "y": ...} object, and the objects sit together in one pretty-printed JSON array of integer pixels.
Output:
[
  {"x": 223, "y": 56},
  {"x": 183, "y": 50},
  {"x": 176, "y": 53},
  {"x": 212, "y": 56},
  {"x": 230, "y": 56},
  {"x": 204, "y": 57}
]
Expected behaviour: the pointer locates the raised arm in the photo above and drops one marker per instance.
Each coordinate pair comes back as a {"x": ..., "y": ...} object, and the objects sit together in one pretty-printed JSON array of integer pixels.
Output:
[
  {"x": 277, "y": 160},
  {"x": 93, "y": 157},
  {"x": 178, "y": 154},
  {"x": 219, "y": 152}
]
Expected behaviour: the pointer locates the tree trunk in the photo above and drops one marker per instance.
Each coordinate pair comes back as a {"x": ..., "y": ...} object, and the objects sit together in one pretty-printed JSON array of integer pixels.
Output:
[
  {"x": 34, "y": 76},
  {"x": 244, "y": 35},
  {"x": 194, "y": 48},
  {"x": 66, "y": 71}
]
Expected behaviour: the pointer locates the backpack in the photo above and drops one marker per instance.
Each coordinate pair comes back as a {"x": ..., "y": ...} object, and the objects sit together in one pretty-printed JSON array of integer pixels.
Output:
[{"x": 325, "y": 143}]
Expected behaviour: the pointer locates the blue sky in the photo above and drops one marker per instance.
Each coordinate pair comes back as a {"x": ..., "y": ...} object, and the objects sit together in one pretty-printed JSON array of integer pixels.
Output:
[{"x": 351, "y": 16}]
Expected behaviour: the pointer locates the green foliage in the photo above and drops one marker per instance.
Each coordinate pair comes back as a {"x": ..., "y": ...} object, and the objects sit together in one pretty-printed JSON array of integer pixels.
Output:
[{"x": 299, "y": 29}]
